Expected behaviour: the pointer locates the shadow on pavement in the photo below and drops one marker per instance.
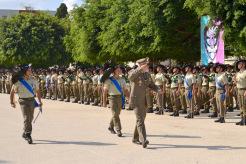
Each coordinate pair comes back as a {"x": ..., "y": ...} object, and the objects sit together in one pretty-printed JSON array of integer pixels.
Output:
[
  {"x": 2, "y": 161},
  {"x": 168, "y": 146},
  {"x": 50, "y": 142},
  {"x": 164, "y": 136}
]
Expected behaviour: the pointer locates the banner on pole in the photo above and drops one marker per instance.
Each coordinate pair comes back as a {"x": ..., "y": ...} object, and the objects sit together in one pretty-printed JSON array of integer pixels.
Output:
[{"x": 212, "y": 41}]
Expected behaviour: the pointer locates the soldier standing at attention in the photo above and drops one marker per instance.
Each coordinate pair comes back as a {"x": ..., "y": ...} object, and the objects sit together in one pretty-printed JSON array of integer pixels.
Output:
[
  {"x": 240, "y": 79},
  {"x": 21, "y": 86},
  {"x": 212, "y": 91},
  {"x": 53, "y": 82},
  {"x": 140, "y": 81},
  {"x": 189, "y": 84},
  {"x": 161, "y": 83},
  {"x": 221, "y": 91},
  {"x": 115, "y": 87},
  {"x": 61, "y": 81},
  {"x": 175, "y": 91}
]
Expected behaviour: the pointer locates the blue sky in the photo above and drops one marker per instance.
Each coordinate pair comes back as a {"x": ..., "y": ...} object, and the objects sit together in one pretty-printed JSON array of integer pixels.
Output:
[{"x": 37, "y": 4}]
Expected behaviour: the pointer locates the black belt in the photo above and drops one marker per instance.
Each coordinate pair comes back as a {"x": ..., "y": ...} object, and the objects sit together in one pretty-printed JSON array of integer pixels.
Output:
[{"x": 29, "y": 98}]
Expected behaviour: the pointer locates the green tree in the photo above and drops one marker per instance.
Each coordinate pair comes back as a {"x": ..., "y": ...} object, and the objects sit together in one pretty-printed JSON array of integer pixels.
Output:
[
  {"x": 32, "y": 38},
  {"x": 233, "y": 15},
  {"x": 61, "y": 11}
]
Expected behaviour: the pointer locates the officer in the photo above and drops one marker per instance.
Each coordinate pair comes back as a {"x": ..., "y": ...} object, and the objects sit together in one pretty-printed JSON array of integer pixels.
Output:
[
  {"x": 26, "y": 98},
  {"x": 240, "y": 80},
  {"x": 140, "y": 81},
  {"x": 115, "y": 87},
  {"x": 221, "y": 91}
]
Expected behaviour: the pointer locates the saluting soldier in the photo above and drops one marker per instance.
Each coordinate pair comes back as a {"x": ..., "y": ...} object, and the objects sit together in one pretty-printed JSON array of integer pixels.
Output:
[
  {"x": 115, "y": 87},
  {"x": 26, "y": 98},
  {"x": 140, "y": 81},
  {"x": 221, "y": 91},
  {"x": 240, "y": 80}
]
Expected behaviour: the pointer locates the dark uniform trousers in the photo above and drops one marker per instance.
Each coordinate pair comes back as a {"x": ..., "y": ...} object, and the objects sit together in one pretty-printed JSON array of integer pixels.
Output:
[
  {"x": 116, "y": 105},
  {"x": 27, "y": 108}
]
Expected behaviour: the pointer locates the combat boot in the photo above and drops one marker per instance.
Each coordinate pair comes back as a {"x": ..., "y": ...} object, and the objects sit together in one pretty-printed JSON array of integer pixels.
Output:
[
  {"x": 230, "y": 109},
  {"x": 27, "y": 137},
  {"x": 196, "y": 113},
  {"x": 111, "y": 130},
  {"x": 119, "y": 134},
  {"x": 183, "y": 111},
  {"x": 150, "y": 110},
  {"x": 242, "y": 122},
  {"x": 205, "y": 111},
  {"x": 145, "y": 143},
  {"x": 214, "y": 115},
  {"x": 220, "y": 120},
  {"x": 189, "y": 116}
]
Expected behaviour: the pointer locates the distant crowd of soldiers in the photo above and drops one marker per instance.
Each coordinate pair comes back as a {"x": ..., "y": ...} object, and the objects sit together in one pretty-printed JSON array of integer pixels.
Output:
[{"x": 200, "y": 92}]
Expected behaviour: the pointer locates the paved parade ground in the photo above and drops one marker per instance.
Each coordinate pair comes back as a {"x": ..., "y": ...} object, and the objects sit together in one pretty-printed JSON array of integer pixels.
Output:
[{"x": 74, "y": 133}]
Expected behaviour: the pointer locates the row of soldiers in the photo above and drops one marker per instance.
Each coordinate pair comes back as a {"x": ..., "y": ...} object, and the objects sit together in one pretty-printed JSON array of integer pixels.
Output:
[{"x": 187, "y": 90}]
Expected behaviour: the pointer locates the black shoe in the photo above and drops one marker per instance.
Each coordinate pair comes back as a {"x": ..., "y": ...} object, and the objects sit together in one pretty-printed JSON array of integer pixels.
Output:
[
  {"x": 28, "y": 138},
  {"x": 189, "y": 116},
  {"x": 242, "y": 122},
  {"x": 136, "y": 142},
  {"x": 75, "y": 101},
  {"x": 214, "y": 115},
  {"x": 220, "y": 120},
  {"x": 119, "y": 134},
  {"x": 111, "y": 130},
  {"x": 67, "y": 100},
  {"x": 176, "y": 114},
  {"x": 183, "y": 111},
  {"x": 240, "y": 114},
  {"x": 196, "y": 113},
  {"x": 172, "y": 114},
  {"x": 145, "y": 143},
  {"x": 205, "y": 111},
  {"x": 156, "y": 109},
  {"x": 150, "y": 110},
  {"x": 160, "y": 112},
  {"x": 230, "y": 109}
]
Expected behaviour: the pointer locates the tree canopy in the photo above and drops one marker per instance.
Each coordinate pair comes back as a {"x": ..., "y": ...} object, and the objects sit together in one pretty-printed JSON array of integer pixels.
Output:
[
  {"x": 32, "y": 38},
  {"x": 61, "y": 11}
]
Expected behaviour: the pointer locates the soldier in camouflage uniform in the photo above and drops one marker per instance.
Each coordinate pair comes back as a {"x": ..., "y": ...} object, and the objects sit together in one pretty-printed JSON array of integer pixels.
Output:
[
  {"x": 212, "y": 91},
  {"x": 205, "y": 90},
  {"x": 67, "y": 84},
  {"x": 229, "y": 99},
  {"x": 175, "y": 91},
  {"x": 182, "y": 94},
  {"x": 61, "y": 90}
]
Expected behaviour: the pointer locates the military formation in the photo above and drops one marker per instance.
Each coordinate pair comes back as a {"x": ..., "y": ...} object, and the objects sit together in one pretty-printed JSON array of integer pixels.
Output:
[{"x": 214, "y": 89}]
